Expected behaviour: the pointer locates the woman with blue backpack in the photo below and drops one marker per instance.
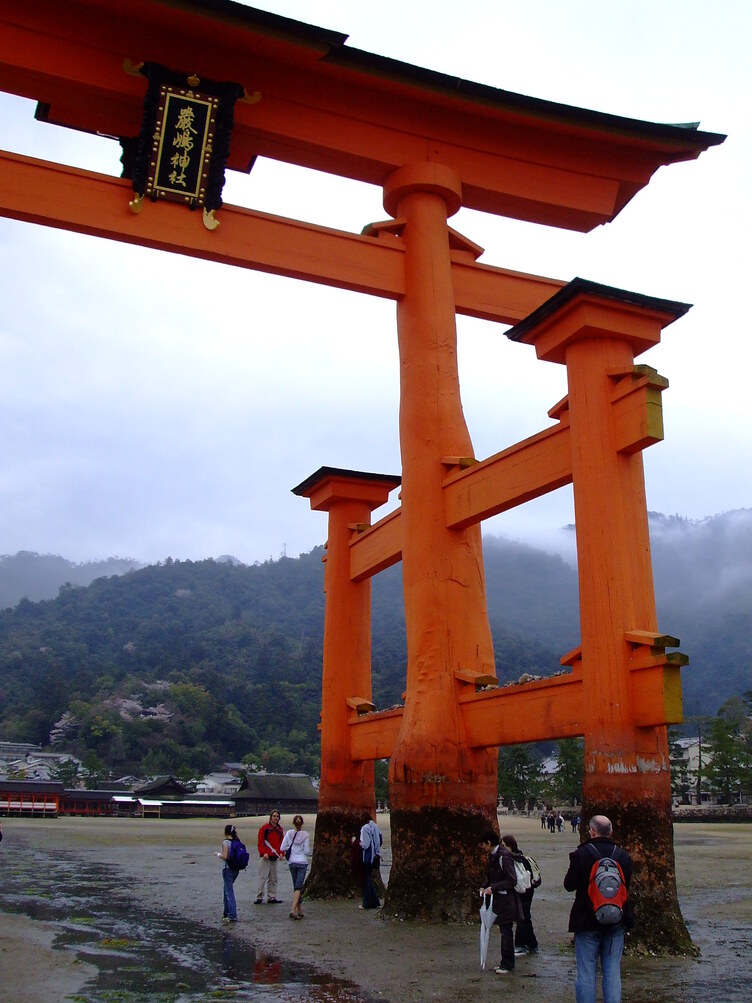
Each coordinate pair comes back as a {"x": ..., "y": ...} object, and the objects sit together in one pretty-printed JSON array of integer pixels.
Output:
[{"x": 228, "y": 853}]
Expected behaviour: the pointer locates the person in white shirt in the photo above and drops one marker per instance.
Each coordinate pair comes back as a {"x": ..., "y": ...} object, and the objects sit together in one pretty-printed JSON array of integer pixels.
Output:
[
  {"x": 370, "y": 841},
  {"x": 297, "y": 842}
]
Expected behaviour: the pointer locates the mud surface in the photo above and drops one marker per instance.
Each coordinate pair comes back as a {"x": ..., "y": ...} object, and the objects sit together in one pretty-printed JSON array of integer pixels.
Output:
[{"x": 141, "y": 901}]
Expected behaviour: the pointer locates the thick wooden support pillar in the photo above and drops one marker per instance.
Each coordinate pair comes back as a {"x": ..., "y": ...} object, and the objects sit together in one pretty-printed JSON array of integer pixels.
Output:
[
  {"x": 442, "y": 793},
  {"x": 347, "y": 785},
  {"x": 596, "y": 334}
]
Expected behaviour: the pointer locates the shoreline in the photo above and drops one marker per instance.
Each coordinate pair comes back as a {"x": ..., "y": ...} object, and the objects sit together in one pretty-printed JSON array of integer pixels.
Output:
[
  {"x": 45, "y": 972},
  {"x": 170, "y": 866}
]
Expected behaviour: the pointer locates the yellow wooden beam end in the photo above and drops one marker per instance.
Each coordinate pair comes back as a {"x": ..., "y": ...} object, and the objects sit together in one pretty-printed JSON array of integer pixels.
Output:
[
  {"x": 657, "y": 697},
  {"x": 647, "y": 658},
  {"x": 638, "y": 416},
  {"x": 652, "y": 639},
  {"x": 360, "y": 704},
  {"x": 475, "y": 679},
  {"x": 640, "y": 372},
  {"x": 458, "y": 461}
]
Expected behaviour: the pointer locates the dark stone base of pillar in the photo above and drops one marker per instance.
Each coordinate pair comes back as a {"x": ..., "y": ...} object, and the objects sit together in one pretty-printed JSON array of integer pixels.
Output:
[
  {"x": 437, "y": 864},
  {"x": 644, "y": 827},
  {"x": 331, "y": 871}
]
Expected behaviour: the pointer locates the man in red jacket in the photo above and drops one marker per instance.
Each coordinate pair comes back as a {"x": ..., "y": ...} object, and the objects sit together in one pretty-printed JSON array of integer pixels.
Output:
[{"x": 269, "y": 843}]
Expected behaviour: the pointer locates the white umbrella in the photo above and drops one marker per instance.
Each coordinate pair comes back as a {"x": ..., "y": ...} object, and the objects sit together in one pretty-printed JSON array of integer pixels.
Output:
[{"x": 487, "y": 920}]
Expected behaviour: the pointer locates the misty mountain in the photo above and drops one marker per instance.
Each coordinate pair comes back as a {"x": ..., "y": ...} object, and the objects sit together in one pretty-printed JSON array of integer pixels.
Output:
[
  {"x": 40, "y": 576},
  {"x": 184, "y": 662}
]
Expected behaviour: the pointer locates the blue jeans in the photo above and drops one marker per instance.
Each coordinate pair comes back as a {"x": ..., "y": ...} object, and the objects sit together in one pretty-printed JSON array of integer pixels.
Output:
[
  {"x": 228, "y": 880},
  {"x": 608, "y": 945},
  {"x": 298, "y": 873}
]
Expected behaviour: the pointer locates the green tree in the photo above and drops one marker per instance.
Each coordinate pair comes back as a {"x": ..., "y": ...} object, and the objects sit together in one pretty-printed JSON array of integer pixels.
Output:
[
  {"x": 381, "y": 775},
  {"x": 66, "y": 771},
  {"x": 569, "y": 774},
  {"x": 94, "y": 771},
  {"x": 730, "y": 762},
  {"x": 519, "y": 775}
]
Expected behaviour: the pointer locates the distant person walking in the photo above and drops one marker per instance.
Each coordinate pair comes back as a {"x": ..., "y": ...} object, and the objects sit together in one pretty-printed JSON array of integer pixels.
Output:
[
  {"x": 229, "y": 874},
  {"x": 593, "y": 940},
  {"x": 270, "y": 837},
  {"x": 297, "y": 842},
  {"x": 370, "y": 843}
]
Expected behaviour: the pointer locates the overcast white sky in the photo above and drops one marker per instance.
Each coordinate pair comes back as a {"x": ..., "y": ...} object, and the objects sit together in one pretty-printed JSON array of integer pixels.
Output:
[{"x": 134, "y": 424}]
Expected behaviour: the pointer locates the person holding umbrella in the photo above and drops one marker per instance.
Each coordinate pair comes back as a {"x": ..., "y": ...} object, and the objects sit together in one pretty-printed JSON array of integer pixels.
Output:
[{"x": 500, "y": 881}]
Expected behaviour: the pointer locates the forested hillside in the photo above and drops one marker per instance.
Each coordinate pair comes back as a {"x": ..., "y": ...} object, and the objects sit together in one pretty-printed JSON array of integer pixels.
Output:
[{"x": 184, "y": 663}]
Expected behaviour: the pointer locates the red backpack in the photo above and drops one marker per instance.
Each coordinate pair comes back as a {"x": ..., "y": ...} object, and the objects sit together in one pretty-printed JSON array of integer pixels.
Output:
[{"x": 607, "y": 889}]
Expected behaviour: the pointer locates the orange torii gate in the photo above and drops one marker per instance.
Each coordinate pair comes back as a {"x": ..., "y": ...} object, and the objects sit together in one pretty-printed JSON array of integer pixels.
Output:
[
  {"x": 432, "y": 143},
  {"x": 623, "y": 687}
]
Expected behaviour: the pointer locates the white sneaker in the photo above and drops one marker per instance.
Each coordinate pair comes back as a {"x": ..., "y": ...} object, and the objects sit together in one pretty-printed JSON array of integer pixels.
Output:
[
  {"x": 502, "y": 971},
  {"x": 519, "y": 952}
]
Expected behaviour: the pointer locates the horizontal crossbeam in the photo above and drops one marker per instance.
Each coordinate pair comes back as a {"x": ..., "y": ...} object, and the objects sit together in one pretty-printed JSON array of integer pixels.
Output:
[
  {"x": 527, "y": 470},
  {"x": 544, "y": 709},
  {"x": 86, "y": 202}
]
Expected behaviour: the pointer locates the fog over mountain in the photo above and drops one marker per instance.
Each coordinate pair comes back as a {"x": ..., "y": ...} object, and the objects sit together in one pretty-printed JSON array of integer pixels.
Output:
[
  {"x": 40, "y": 576},
  {"x": 703, "y": 583}
]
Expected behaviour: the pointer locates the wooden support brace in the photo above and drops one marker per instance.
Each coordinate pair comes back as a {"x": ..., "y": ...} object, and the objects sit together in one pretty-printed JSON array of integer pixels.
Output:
[
  {"x": 652, "y": 639},
  {"x": 638, "y": 413},
  {"x": 360, "y": 705},
  {"x": 655, "y": 678},
  {"x": 475, "y": 679}
]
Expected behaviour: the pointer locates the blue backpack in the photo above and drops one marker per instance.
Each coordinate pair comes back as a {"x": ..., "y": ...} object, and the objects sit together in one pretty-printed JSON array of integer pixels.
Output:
[{"x": 237, "y": 856}]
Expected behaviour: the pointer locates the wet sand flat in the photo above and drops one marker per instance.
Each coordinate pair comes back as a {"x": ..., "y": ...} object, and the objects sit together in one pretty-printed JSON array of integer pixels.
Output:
[{"x": 169, "y": 866}]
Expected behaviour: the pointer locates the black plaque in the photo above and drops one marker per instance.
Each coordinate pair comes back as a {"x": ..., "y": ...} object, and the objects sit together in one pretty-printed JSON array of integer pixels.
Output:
[{"x": 182, "y": 146}]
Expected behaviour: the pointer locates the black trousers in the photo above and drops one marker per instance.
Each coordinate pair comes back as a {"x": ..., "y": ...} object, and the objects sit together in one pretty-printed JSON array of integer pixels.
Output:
[
  {"x": 525, "y": 934},
  {"x": 370, "y": 896}
]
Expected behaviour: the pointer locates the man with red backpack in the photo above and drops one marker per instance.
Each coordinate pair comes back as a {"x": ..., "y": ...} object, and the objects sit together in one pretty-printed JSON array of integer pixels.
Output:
[{"x": 599, "y": 874}]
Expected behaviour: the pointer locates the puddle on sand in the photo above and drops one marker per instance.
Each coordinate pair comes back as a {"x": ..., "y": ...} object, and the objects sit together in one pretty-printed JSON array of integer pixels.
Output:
[{"x": 140, "y": 955}]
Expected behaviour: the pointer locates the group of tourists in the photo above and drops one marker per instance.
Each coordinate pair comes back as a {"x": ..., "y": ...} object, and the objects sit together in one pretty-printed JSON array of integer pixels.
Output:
[
  {"x": 293, "y": 846},
  {"x": 599, "y": 874},
  {"x": 553, "y": 821},
  {"x": 274, "y": 844}
]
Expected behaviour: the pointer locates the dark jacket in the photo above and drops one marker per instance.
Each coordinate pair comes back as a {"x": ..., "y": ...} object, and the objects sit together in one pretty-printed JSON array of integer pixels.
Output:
[
  {"x": 501, "y": 878},
  {"x": 576, "y": 880}
]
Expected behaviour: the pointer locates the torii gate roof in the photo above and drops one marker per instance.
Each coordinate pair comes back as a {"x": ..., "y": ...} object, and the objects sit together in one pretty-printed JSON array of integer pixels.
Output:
[{"x": 328, "y": 106}]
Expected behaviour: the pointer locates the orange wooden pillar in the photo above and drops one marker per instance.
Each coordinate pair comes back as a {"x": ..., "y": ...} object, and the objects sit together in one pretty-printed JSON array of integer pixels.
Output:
[
  {"x": 596, "y": 332},
  {"x": 347, "y": 786},
  {"x": 442, "y": 793}
]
